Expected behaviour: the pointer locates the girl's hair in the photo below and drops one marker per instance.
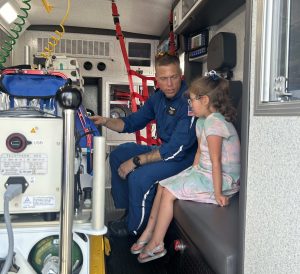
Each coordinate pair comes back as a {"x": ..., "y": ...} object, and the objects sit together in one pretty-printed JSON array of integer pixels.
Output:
[{"x": 217, "y": 90}]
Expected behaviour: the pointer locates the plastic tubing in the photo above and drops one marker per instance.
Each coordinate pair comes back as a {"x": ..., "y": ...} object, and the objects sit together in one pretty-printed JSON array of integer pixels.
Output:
[
  {"x": 54, "y": 39},
  {"x": 13, "y": 34}
]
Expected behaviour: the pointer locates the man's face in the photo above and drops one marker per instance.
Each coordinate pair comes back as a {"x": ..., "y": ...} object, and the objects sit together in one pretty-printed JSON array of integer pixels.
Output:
[{"x": 169, "y": 79}]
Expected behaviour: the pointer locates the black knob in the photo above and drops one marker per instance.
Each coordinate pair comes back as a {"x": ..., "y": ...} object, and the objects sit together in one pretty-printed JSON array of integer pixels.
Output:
[
  {"x": 69, "y": 97},
  {"x": 16, "y": 142}
]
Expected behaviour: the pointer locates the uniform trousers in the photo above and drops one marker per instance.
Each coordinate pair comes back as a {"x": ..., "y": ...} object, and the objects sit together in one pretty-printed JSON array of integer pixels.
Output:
[{"x": 136, "y": 193}]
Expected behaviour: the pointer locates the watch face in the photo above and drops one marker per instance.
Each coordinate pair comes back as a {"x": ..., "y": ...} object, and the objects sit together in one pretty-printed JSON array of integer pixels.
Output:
[{"x": 137, "y": 161}]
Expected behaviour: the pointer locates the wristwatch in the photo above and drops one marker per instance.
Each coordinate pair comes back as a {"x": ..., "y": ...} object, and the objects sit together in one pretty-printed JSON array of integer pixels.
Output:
[{"x": 137, "y": 161}]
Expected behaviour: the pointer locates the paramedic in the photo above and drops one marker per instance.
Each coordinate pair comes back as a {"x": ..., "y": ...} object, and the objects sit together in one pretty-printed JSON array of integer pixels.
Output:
[{"x": 135, "y": 168}]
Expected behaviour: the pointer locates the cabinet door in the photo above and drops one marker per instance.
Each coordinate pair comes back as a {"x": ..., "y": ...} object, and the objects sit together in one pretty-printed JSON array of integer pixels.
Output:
[{"x": 118, "y": 95}]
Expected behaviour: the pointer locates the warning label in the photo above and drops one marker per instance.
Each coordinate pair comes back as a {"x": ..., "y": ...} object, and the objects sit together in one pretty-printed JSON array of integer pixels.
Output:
[{"x": 38, "y": 202}]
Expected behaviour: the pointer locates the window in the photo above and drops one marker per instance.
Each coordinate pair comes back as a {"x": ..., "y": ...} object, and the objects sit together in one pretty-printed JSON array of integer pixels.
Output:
[{"x": 278, "y": 58}]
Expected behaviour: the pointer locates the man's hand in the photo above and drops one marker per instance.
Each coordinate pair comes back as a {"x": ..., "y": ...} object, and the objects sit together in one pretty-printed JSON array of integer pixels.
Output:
[
  {"x": 128, "y": 166},
  {"x": 98, "y": 120},
  {"x": 125, "y": 168},
  {"x": 115, "y": 124},
  {"x": 222, "y": 200}
]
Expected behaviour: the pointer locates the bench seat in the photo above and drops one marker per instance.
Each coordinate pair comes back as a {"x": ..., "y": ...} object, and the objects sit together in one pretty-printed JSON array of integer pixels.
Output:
[{"x": 213, "y": 230}]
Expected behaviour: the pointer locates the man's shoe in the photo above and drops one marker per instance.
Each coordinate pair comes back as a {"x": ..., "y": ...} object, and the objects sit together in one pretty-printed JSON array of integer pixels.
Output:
[
  {"x": 124, "y": 216},
  {"x": 118, "y": 228}
]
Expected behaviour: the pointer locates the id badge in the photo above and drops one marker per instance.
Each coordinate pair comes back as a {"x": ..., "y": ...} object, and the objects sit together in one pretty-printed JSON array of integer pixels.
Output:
[{"x": 171, "y": 111}]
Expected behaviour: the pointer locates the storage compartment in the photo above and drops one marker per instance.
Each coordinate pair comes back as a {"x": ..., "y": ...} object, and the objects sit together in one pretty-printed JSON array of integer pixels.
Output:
[
  {"x": 186, "y": 261},
  {"x": 141, "y": 54},
  {"x": 191, "y": 15},
  {"x": 118, "y": 105}
]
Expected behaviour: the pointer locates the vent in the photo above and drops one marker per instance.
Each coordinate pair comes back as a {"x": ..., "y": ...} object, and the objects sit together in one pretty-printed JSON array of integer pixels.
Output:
[{"x": 80, "y": 48}]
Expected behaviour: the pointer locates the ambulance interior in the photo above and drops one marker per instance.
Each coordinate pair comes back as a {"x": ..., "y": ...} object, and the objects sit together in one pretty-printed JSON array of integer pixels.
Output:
[{"x": 58, "y": 223}]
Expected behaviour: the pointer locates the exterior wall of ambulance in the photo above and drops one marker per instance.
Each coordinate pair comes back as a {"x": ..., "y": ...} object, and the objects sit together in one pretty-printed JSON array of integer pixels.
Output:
[{"x": 272, "y": 217}]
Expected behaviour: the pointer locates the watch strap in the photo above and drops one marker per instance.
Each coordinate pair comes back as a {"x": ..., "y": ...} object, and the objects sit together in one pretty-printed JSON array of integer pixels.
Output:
[{"x": 137, "y": 161}]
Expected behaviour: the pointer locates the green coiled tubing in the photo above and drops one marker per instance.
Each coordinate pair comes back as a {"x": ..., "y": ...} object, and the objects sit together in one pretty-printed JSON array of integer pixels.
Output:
[{"x": 14, "y": 33}]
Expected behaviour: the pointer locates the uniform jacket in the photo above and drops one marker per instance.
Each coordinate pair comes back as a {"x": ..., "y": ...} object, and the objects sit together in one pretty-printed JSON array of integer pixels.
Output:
[{"x": 173, "y": 125}]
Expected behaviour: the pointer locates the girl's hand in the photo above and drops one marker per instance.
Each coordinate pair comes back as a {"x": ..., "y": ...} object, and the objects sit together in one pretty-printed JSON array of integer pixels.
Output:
[
  {"x": 222, "y": 200},
  {"x": 196, "y": 163}
]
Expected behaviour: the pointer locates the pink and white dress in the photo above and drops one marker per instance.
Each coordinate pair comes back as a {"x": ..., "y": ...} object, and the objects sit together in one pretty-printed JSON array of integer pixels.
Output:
[{"x": 196, "y": 183}]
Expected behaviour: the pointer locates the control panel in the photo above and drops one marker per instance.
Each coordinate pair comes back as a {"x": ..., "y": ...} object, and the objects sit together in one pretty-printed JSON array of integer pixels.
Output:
[{"x": 31, "y": 154}]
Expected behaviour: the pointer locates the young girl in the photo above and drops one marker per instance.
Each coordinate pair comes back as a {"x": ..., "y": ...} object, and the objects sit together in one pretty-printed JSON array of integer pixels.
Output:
[{"x": 214, "y": 176}]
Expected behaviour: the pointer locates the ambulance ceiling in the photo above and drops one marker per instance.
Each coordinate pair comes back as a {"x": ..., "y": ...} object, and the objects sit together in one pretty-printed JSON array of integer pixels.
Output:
[{"x": 137, "y": 16}]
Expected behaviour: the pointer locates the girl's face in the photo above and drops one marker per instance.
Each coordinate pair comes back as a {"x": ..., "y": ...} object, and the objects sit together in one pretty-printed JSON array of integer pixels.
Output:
[{"x": 200, "y": 105}]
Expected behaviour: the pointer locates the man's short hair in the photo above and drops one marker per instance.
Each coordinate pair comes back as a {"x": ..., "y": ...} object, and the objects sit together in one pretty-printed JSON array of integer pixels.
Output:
[{"x": 165, "y": 58}]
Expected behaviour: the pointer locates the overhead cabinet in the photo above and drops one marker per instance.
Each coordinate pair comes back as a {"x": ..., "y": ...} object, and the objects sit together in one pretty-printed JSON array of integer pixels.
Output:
[{"x": 191, "y": 15}]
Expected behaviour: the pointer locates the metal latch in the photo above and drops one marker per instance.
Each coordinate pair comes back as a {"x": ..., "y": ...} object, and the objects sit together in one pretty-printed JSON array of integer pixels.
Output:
[{"x": 280, "y": 88}]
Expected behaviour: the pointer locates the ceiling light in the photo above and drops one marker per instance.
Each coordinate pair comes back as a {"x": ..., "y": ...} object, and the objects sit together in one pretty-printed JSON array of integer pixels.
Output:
[{"x": 8, "y": 13}]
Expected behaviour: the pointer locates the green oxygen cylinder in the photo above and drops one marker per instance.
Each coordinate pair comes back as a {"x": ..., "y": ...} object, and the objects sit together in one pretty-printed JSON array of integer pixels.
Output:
[{"x": 44, "y": 256}]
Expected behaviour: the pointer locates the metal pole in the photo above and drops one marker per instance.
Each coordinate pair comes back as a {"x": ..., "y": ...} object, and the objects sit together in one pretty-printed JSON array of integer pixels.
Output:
[{"x": 67, "y": 196}]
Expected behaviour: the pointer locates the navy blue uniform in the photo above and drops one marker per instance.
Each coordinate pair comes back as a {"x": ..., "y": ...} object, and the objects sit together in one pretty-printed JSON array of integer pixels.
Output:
[{"x": 179, "y": 144}]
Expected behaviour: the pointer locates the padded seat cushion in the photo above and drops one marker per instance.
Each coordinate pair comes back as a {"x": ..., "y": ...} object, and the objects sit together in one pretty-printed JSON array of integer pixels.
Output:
[{"x": 213, "y": 230}]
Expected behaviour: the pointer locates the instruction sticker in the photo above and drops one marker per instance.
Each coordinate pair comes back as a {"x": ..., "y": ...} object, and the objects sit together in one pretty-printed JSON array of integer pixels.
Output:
[
  {"x": 38, "y": 202},
  {"x": 23, "y": 164}
]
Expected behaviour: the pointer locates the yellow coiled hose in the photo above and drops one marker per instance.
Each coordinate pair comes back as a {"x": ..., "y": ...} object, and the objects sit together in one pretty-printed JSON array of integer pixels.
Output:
[{"x": 54, "y": 39}]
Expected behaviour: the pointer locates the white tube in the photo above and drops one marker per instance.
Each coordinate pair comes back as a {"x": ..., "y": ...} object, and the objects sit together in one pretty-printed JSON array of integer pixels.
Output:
[
  {"x": 27, "y": 55},
  {"x": 98, "y": 193}
]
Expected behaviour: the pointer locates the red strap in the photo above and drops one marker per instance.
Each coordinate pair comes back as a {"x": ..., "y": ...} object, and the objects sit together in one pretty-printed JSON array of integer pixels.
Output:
[
  {"x": 33, "y": 72},
  {"x": 86, "y": 130},
  {"x": 81, "y": 119},
  {"x": 172, "y": 48},
  {"x": 133, "y": 94}
]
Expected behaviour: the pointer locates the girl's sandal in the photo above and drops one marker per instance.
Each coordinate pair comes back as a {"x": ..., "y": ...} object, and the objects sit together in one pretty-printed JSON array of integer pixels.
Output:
[
  {"x": 140, "y": 244},
  {"x": 157, "y": 252}
]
